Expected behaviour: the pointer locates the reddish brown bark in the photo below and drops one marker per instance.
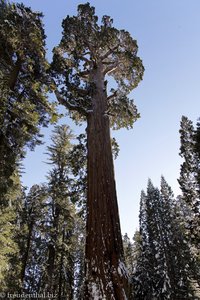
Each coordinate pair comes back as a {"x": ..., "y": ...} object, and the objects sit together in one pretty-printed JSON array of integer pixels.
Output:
[{"x": 104, "y": 249}]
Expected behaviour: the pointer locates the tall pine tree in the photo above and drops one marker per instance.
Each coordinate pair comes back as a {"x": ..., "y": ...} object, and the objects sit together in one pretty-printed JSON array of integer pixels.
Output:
[
  {"x": 189, "y": 179},
  {"x": 66, "y": 229},
  {"x": 24, "y": 108},
  {"x": 165, "y": 265},
  {"x": 52, "y": 227},
  {"x": 10, "y": 266},
  {"x": 24, "y": 84}
]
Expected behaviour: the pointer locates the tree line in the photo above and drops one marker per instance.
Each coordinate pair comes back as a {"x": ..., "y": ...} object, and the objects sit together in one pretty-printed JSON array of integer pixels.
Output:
[
  {"x": 164, "y": 257},
  {"x": 63, "y": 236}
]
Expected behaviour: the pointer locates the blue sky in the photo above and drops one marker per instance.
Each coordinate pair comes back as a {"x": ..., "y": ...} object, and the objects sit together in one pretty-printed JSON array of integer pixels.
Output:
[{"x": 168, "y": 35}]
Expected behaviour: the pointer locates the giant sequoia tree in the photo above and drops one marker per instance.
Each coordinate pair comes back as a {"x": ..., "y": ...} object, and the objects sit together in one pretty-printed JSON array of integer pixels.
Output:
[{"x": 88, "y": 53}]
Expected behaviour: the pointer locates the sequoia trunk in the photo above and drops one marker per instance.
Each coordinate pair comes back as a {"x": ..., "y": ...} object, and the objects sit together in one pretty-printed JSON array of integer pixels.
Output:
[{"x": 106, "y": 276}]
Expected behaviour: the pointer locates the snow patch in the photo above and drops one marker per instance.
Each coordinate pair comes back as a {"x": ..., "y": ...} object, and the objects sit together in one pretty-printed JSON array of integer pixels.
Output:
[
  {"x": 96, "y": 292},
  {"x": 122, "y": 269}
]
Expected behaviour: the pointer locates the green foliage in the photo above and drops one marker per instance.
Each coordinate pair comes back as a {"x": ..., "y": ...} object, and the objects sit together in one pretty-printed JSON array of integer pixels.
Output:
[
  {"x": 58, "y": 156},
  {"x": 24, "y": 84},
  {"x": 9, "y": 230},
  {"x": 24, "y": 108},
  {"x": 51, "y": 237},
  {"x": 34, "y": 219},
  {"x": 66, "y": 230},
  {"x": 7, "y": 245},
  {"x": 85, "y": 47}
]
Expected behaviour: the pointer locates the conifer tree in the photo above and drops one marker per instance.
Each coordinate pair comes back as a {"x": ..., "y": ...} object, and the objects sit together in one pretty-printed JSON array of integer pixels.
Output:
[
  {"x": 196, "y": 205},
  {"x": 24, "y": 84},
  {"x": 180, "y": 263},
  {"x": 165, "y": 265},
  {"x": 55, "y": 237},
  {"x": 86, "y": 55},
  {"x": 10, "y": 266},
  {"x": 33, "y": 239},
  {"x": 77, "y": 160},
  {"x": 52, "y": 234},
  {"x": 24, "y": 108},
  {"x": 197, "y": 150},
  {"x": 189, "y": 179},
  {"x": 128, "y": 253},
  {"x": 132, "y": 252},
  {"x": 143, "y": 276},
  {"x": 136, "y": 248},
  {"x": 60, "y": 272}
]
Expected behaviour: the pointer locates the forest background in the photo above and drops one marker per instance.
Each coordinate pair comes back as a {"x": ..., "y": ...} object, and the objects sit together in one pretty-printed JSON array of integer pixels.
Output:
[
  {"x": 45, "y": 227},
  {"x": 168, "y": 38}
]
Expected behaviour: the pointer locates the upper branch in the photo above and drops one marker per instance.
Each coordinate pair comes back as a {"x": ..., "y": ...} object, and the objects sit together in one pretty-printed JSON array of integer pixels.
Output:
[
  {"x": 71, "y": 106},
  {"x": 84, "y": 59},
  {"x": 109, "y": 98},
  {"x": 109, "y": 52},
  {"x": 84, "y": 74},
  {"x": 110, "y": 68},
  {"x": 81, "y": 92}
]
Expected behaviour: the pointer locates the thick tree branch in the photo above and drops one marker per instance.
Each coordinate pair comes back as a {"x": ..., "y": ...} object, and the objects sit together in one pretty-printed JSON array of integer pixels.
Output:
[
  {"x": 107, "y": 63},
  {"x": 71, "y": 106},
  {"x": 90, "y": 47},
  {"x": 110, "y": 68},
  {"x": 109, "y": 52},
  {"x": 84, "y": 74},
  {"x": 87, "y": 53},
  {"x": 79, "y": 91}
]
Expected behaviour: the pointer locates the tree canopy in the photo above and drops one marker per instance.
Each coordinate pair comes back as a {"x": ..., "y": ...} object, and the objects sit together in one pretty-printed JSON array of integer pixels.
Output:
[
  {"x": 24, "y": 83},
  {"x": 86, "y": 44}
]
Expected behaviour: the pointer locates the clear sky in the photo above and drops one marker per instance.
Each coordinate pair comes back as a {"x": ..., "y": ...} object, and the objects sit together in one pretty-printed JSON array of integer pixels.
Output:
[{"x": 168, "y": 35}]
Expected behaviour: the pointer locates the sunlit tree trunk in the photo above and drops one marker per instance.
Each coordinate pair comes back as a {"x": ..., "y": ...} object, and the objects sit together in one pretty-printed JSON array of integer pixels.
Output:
[{"x": 105, "y": 272}]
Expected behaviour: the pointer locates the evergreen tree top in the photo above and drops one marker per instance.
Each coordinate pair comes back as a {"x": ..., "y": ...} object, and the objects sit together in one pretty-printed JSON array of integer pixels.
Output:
[{"x": 87, "y": 46}]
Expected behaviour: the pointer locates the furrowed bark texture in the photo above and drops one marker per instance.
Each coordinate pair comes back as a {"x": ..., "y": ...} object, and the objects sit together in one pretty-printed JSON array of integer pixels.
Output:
[{"x": 105, "y": 279}]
